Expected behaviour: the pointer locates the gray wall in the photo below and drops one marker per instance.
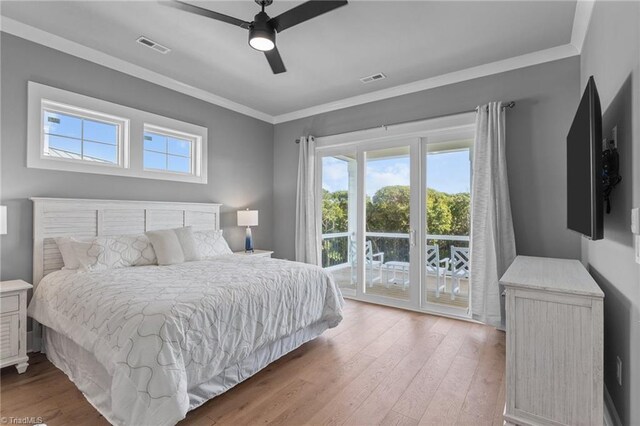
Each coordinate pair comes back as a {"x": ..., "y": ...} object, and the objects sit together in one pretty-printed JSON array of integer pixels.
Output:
[
  {"x": 545, "y": 97},
  {"x": 612, "y": 55},
  {"x": 240, "y": 150}
]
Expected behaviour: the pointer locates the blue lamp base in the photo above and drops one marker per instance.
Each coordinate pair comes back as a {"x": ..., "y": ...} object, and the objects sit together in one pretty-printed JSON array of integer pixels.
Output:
[{"x": 248, "y": 241}]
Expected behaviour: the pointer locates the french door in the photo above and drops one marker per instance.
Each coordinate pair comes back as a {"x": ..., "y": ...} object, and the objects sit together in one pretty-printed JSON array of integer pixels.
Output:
[{"x": 394, "y": 213}]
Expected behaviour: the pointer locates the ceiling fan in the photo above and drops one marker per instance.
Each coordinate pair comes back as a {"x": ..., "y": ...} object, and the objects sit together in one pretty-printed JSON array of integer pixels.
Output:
[{"x": 262, "y": 30}]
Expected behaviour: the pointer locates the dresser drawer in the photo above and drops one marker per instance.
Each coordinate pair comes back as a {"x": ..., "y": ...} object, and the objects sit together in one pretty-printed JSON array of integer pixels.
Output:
[{"x": 9, "y": 303}]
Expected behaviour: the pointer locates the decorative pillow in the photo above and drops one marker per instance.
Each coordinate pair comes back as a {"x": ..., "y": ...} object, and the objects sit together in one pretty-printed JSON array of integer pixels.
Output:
[
  {"x": 211, "y": 244},
  {"x": 174, "y": 245},
  {"x": 188, "y": 243},
  {"x": 120, "y": 251},
  {"x": 66, "y": 247}
]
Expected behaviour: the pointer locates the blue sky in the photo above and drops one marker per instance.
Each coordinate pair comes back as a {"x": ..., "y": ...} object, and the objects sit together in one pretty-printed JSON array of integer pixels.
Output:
[
  {"x": 98, "y": 140},
  {"x": 447, "y": 172}
]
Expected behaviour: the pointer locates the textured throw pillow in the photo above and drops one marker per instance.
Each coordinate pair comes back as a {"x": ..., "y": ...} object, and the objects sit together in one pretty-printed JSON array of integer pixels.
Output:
[
  {"x": 120, "y": 251},
  {"x": 66, "y": 247},
  {"x": 174, "y": 245},
  {"x": 211, "y": 244}
]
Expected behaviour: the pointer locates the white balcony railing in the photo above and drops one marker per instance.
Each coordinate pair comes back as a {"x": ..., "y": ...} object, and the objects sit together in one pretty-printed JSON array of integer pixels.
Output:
[{"x": 337, "y": 254}]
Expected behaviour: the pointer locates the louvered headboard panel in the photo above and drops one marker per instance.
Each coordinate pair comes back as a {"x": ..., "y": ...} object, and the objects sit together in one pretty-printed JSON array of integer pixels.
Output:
[{"x": 82, "y": 218}]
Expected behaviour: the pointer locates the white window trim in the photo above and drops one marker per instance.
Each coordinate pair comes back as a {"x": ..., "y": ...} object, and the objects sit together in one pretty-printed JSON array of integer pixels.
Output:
[
  {"x": 123, "y": 133},
  {"x": 196, "y": 148},
  {"x": 131, "y": 155},
  {"x": 434, "y": 130}
]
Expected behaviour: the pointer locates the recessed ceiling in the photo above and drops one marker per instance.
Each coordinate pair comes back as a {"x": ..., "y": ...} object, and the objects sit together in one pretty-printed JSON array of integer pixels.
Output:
[{"x": 325, "y": 57}]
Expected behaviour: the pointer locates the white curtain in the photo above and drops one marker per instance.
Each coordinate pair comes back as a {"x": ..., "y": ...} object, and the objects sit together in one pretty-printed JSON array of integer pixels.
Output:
[
  {"x": 493, "y": 246},
  {"x": 308, "y": 236}
]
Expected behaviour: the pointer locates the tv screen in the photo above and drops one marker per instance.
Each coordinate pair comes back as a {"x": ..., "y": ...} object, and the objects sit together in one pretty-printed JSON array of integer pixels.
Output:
[{"x": 584, "y": 167}]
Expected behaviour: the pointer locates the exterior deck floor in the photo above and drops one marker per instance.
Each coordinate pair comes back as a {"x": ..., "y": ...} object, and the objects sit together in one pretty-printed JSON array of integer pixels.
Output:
[{"x": 396, "y": 289}]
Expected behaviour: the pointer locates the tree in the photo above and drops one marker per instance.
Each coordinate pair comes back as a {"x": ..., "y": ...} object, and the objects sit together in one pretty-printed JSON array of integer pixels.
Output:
[
  {"x": 460, "y": 206},
  {"x": 388, "y": 210},
  {"x": 439, "y": 218},
  {"x": 334, "y": 211}
]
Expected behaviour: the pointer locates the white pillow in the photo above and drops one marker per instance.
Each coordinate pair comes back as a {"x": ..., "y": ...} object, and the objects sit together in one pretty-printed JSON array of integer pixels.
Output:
[
  {"x": 211, "y": 244},
  {"x": 65, "y": 245},
  {"x": 174, "y": 245},
  {"x": 120, "y": 251}
]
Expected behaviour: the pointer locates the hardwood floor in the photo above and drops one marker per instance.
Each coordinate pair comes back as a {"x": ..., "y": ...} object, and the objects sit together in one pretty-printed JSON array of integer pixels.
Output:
[{"x": 380, "y": 366}]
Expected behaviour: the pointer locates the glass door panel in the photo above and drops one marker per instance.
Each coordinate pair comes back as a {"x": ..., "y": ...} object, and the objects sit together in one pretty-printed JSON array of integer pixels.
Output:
[
  {"x": 387, "y": 239},
  {"x": 339, "y": 198},
  {"x": 448, "y": 202}
]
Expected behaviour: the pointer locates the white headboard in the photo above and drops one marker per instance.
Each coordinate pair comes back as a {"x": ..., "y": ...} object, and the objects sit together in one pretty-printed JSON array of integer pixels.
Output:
[{"x": 82, "y": 218}]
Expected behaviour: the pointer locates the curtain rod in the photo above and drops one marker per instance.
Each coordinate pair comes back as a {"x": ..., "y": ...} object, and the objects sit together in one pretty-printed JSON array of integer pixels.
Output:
[{"x": 510, "y": 104}]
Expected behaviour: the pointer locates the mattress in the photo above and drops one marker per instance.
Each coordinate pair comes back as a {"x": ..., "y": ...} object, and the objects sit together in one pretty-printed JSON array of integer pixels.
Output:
[{"x": 168, "y": 338}]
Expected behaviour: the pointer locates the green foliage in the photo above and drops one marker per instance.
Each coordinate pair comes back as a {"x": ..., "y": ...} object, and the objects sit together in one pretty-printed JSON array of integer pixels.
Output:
[
  {"x": 460, "y": 207},
  {"x": 334, "y": 211},
  {"x": 439, "y": 217},
  {"x": 388, "y": 211}
]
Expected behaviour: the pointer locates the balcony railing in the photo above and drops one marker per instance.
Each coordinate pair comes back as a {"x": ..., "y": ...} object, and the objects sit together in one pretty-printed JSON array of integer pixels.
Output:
[{"x": 395, "y": 246}]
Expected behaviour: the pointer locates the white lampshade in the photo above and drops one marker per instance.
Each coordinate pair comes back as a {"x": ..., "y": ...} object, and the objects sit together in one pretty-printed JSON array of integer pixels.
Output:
[
  {"x": 247, "y": 217},
  {"x": 3, "y": 220}
]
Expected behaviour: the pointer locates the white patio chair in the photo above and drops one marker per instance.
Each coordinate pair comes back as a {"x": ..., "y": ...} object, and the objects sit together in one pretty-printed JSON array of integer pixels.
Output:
[
  {"x": 437, "y": 267},
  {"x": 373, "y": 262},
  {"x": 459, "y": 268}
]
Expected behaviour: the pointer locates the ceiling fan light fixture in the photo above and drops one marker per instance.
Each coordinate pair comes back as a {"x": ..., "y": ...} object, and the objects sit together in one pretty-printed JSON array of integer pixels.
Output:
[
  {"x": 261, "y": 43},
  {"x": 262, "y": 36}
]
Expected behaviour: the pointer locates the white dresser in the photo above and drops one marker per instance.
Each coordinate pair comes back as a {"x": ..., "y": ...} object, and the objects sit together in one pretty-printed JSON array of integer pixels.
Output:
[
  {"x": 13, "y": 324},
  {"x": 554, "y": 343}
]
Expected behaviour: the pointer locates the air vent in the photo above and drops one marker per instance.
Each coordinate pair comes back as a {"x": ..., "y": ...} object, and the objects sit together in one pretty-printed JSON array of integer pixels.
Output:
[
  {"x": 374, "y": 77},
  {"x": 153, "y": 45}
]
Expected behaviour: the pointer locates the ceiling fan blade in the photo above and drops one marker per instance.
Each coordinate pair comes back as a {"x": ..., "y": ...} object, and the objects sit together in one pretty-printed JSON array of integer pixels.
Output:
[
  {"x": 304, "y": 12},
  {"x": 273, "y": 56},
  {"x": 206, "y": 13}
]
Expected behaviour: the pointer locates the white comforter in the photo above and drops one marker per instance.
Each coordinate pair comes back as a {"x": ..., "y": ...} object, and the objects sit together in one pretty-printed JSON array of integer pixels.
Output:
[{"x": 160, "y": 330}]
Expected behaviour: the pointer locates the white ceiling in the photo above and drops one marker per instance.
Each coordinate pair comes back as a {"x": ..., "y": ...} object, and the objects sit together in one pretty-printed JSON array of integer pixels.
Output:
[{"x": 325, "y": 57}]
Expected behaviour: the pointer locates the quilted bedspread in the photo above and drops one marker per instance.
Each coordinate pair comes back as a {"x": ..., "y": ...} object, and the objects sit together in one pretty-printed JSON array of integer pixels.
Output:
[{"x": 160, "y": 330}]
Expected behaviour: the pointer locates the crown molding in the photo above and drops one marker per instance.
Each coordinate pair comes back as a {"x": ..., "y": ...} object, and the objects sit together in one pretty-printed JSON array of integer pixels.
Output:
[
  {"x": 516, "y": 62},
  {"x": 47, "y": 39},
  {"x": 581, "y": 19}
]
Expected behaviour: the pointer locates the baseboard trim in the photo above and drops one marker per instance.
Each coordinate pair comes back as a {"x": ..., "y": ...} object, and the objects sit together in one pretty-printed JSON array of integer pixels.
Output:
[{"x": 611, "y": 417}]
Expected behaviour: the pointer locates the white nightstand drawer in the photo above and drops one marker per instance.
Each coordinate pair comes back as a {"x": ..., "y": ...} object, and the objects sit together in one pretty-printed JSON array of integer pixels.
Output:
[
  {"x": 9, "y": 336},
  {"x": 9, "y": 303},
  {"x": 13, "y": 320}
]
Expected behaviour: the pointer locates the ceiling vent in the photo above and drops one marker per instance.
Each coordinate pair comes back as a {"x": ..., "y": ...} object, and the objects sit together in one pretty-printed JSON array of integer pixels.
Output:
[
  {"x": 153, "y": 45},
  {"x": 374, "y": 77}
]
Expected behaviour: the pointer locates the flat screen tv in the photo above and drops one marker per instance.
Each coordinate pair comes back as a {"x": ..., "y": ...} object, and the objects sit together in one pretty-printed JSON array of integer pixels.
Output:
[{"x": 584, "y": 167}]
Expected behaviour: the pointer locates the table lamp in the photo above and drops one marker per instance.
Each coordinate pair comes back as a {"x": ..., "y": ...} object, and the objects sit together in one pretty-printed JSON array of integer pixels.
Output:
[{"x": 248, "y": 218}]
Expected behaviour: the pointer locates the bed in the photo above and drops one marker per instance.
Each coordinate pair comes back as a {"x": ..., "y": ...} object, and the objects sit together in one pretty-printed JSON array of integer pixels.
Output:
[{"x": 146, "y": 344}]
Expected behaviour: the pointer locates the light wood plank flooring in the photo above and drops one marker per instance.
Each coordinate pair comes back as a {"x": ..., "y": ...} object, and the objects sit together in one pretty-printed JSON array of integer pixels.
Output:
[{"x": 380, "y": 366}]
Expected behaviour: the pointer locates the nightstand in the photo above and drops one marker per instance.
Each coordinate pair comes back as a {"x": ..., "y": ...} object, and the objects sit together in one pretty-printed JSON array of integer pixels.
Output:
[
  {"x": 257, "y": 253},
  {"x": 13, "y": 324}
]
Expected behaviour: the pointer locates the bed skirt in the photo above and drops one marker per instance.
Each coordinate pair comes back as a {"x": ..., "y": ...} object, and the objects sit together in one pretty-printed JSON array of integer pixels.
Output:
[{"x": 92, "y": 379}]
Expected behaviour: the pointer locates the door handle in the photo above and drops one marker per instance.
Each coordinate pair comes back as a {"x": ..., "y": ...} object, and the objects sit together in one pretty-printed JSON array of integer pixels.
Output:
[{"x": 412, "y": 238}]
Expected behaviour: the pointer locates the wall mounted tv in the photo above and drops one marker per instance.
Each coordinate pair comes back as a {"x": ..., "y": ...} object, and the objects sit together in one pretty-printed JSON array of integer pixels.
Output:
[{"x": 584, "y": 167}]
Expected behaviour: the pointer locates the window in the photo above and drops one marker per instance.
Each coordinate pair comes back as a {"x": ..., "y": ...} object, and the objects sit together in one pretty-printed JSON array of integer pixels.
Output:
[
  {"x": 76, "y": 133},
  {"x": 81, "y": 136},
  {"x": 168, "y": 151}
]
